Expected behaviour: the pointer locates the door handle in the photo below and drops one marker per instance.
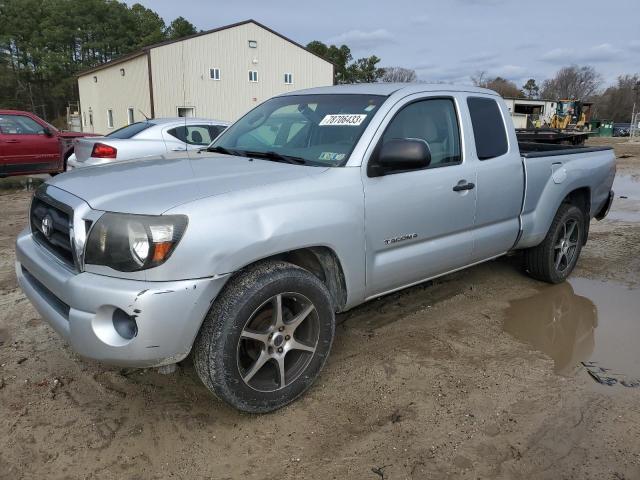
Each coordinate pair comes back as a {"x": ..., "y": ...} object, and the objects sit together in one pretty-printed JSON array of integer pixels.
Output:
[
  {"x": 179, "y": 149},
  {"x": 464, "y": 186},
  {"x": 12, "y": 141}
]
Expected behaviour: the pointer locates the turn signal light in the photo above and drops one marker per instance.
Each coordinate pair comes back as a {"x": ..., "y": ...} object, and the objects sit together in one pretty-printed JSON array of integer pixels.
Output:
[{"x": 100, "y": 150}]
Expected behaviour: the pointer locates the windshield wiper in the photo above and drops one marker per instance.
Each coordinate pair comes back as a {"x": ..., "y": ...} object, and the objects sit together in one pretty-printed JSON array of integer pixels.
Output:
[
  {"x": 226, "y": 151},
  {"x": 277, "y": 157}
]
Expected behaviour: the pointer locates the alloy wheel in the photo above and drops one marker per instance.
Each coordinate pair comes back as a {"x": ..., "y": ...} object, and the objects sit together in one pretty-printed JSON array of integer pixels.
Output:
[
  {"x": 567, "y": 245},
  {"x": 278, "y": 342}
]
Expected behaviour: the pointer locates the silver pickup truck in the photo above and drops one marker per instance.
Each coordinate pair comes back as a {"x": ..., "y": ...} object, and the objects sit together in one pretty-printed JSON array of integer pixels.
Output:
[{"x": 314, "y": 202}]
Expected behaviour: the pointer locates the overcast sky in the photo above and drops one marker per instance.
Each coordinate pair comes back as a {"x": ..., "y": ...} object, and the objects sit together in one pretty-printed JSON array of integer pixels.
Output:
[{"x": 448, "y": 40}]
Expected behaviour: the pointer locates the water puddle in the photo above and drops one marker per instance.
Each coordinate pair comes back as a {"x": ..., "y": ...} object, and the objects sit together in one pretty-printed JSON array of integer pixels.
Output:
[
  {"x": 583, "y": 324},
  {"x": 626, "y": 205},
  {"x": 627, "y": 186},
  {"x": 19, "y": 184}
]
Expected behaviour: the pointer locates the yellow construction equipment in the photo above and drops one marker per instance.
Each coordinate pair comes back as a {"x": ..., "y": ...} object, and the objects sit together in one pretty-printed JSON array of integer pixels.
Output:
[{"x": 571, "y": 115}]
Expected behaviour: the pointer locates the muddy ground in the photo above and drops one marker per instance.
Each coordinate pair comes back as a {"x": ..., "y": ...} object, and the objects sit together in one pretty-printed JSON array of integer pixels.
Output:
[{"x": 477, "y": 375}]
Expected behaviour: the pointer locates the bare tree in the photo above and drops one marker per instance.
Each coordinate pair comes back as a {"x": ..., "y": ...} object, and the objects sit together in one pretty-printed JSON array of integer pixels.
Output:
[
  {"x": 479, "y": 78},
  {"x": 616, "y": 103},
  {"x": 398, "y": 75},
  {"x": 573, "y": 82},
  {"x": 504, "y": 87}
]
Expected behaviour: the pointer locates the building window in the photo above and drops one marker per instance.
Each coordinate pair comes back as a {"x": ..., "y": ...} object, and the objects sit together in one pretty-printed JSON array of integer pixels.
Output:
[
  {"x": 253, "y": 76},
  {"x": 84, "y": 119},
  {"x": 95, "y": 79},
  {"x": 130, "y": 118},
  {"x": 288, "y": 78},
  {"x": 90, "y": 118},
  {"x": 110, "y": 118},
  {"x": 122, "y": 72},
  {"x": 253, "y": 44},
  {"x": 214, "y": 73},
  {"x": 187, "y": 112}
]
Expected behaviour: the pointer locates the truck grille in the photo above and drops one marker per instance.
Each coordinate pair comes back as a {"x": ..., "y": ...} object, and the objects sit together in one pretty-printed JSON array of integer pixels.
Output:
[{"x": 51, "y": 227}]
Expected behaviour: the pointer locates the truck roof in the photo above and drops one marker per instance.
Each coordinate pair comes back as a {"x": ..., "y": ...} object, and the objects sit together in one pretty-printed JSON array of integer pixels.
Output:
[{"x": 387, "y": 89}]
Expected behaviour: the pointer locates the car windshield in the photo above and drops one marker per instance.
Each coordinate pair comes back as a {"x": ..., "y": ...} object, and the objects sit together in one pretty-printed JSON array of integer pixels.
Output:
[
  {"x": 306, "y": 129},
  {"x": 130, "y": 130}
]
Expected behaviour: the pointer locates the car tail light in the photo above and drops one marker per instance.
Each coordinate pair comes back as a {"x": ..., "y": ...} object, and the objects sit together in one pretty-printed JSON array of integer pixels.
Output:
[{"x": 100, "y": 150}]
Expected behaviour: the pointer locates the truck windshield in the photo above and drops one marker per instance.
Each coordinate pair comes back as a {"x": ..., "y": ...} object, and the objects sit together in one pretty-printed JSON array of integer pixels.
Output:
[{"x": 305, "y": 129}]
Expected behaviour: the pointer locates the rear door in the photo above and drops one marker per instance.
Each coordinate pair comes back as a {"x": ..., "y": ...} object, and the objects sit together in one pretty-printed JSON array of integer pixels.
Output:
[
  {"x": 419, "y": 224},
  {"x": 26, "y": 147},
  {"x": 500, "y": 176}
]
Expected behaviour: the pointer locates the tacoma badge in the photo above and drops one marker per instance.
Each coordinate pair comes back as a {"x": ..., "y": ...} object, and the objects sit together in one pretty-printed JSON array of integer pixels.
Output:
[{"x": 401, "y": 238}]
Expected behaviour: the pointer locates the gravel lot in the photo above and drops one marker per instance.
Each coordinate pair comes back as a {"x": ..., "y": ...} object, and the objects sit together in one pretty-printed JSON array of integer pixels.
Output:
[{"x": 477, "y": 375}]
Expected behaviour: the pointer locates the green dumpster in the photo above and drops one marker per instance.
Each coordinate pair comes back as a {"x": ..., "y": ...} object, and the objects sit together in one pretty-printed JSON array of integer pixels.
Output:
[{"x": 601, "y": 128}]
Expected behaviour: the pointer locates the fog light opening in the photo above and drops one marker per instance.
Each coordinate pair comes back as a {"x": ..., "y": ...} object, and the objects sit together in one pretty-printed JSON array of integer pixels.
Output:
[{"x": 124, "y": 324}]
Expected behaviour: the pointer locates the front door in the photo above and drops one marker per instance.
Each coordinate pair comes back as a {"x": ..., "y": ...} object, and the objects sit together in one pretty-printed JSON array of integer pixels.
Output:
[{"x": 419, "y": 223}]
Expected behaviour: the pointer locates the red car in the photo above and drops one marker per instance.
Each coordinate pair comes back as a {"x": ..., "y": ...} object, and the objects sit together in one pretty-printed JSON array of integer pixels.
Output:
[{"x": 28, "y": 144}]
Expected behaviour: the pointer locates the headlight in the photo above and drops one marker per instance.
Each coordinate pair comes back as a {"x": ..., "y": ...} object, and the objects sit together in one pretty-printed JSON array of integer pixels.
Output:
[{"x": 128, "y": 243}]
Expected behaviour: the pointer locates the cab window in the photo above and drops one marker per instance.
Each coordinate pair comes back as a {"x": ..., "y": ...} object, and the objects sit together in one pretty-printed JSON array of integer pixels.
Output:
[
  {"x": 488, "y": 128},
  {"x": 433, "y": 121}
]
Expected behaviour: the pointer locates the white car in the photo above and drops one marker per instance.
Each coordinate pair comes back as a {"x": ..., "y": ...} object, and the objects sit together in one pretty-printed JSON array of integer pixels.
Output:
[{"x": 144, "y": 139}]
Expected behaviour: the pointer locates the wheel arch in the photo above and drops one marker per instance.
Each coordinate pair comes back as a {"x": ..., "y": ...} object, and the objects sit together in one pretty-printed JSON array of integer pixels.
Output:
[
  {"x": 66, "y": 156},
  {"x": 536, "y": 222},
  {"x": 581, "y": 198},
  {"x": 322, "y": 262}
]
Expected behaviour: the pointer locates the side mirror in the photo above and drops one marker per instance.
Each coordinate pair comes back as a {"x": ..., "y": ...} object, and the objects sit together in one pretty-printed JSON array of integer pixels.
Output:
[
  {"x": 399, "y": 155},
  {"x": 47, "y": 131}
]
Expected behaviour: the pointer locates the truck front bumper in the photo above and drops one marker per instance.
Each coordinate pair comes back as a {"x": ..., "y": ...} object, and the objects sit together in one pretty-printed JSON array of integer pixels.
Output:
[{"x": 81, "y": 307}]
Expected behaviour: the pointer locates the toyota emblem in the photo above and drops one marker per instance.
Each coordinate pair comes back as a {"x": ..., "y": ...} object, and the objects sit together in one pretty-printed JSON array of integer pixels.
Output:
[{"x": 47, "y": 225}]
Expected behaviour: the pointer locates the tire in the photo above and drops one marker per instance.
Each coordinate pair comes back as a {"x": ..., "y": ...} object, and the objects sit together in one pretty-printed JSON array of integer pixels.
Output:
[
  {"x": 553, "y": 261},
  {"x": 243, "y": 343}
]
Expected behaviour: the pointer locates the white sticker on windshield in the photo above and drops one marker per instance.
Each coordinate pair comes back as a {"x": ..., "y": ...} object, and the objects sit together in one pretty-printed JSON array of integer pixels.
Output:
[
  {"x": 342, "y": 119},
  {"x": 332, "y": 156}
]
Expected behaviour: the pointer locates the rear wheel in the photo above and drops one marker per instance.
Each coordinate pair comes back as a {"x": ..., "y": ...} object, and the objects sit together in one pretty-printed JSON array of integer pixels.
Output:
[
  {"x": 266, "y": 337},
  {"x": 555, "y": 258}
]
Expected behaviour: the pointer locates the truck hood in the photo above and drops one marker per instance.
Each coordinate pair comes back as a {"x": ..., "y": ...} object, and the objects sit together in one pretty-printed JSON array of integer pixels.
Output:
[{"x": 154, "y": 185}]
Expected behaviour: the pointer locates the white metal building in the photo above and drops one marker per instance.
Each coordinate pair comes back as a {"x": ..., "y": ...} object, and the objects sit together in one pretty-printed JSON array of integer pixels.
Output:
[
  {"x": 219, "y": 74},
  {"x": 525, "y": 111}
]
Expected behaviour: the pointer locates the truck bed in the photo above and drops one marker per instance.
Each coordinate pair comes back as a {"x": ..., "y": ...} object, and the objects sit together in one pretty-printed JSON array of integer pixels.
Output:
[
  {"x": 554, "y": 171},
  {"x": 533, "y": 149}
]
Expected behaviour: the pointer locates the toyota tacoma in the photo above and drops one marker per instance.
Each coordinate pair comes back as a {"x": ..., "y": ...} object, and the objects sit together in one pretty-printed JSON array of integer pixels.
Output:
[{"x": 312, "y": 203}]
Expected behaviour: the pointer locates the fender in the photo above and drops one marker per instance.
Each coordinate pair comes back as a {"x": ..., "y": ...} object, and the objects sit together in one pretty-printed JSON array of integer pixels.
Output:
[
  {"x": 230, "y": 231},
  {"x": 551, "y": 179}
]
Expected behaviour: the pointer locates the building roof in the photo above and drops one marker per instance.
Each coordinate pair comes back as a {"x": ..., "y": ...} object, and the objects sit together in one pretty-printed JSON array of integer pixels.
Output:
[
  {"x": 386, "y": 89},
  {"x": 144, "y": 50}
]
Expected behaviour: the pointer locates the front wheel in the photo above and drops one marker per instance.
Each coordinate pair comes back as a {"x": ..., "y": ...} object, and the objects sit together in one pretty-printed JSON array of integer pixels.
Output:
[
  {"x": 266, "y": 337},
  {"x": 555, "y": 258}
]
